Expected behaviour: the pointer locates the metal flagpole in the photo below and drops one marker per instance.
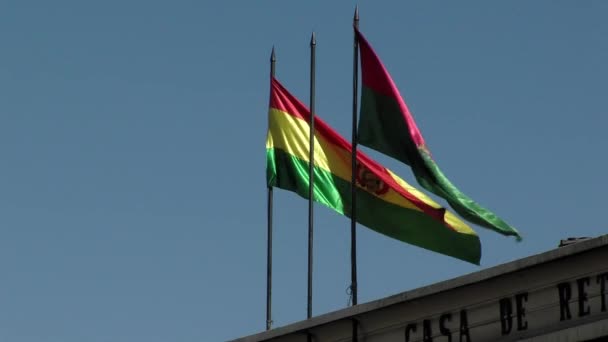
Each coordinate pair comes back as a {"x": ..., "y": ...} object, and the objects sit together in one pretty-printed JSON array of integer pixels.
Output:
[
  {"x": 353, "y": 210},
  {"x": 273, "y": 60},
  {"x": 313, "y": 44}
]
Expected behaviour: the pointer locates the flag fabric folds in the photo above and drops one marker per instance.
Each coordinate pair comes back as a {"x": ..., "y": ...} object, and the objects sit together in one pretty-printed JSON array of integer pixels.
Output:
[
  {"x": 385, "y": 203},
  {"x": 387, "y": 126}
]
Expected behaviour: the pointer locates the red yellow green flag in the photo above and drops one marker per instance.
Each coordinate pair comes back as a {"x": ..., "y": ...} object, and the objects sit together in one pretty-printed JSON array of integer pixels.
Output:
[
  {"x": 387, "y": 126},
  {"x": 385, "y": 202}
]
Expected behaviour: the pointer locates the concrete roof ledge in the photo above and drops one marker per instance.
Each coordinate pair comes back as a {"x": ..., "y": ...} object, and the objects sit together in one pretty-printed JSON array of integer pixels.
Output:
[{"x": 509, "y": 267}]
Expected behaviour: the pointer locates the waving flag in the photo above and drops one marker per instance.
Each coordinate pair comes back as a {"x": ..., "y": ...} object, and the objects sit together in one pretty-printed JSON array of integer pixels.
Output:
[
  {"x": 385, "y": 203},
  {"x": 387, "y": 126}
]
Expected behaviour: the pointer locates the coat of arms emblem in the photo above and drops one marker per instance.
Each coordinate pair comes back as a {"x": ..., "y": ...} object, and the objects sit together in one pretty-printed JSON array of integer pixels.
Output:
[{"x": 369, "y": 181}]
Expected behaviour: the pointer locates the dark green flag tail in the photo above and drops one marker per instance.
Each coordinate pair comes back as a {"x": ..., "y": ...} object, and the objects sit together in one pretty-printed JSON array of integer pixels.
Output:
[{"x": 431, "y": 178}]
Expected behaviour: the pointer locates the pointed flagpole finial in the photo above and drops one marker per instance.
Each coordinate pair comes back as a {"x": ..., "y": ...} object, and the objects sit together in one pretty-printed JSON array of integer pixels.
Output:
[
  {"x": 313, "y": 39},
  {"x": 356, "y": 16},
  {"x": 273, "y": 62}
]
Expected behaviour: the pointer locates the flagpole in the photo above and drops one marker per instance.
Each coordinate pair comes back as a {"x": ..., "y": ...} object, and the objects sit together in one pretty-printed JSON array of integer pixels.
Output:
[
  {"x": 313, "y": 44},
  {"x": 353, "y": 210},
  {"x": 273, "y": 60}
]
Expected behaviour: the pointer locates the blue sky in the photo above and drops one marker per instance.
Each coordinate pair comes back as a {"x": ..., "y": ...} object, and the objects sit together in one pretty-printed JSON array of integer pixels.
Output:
[{"x": 132, "y": 178}]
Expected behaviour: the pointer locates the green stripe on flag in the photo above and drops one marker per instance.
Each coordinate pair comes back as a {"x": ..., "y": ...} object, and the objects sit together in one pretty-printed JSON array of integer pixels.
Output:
[{"x": 411, "y": 226}]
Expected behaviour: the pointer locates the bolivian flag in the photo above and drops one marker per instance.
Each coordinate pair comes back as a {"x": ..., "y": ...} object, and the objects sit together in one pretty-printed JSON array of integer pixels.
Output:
[{"x": 385, "y": 202}]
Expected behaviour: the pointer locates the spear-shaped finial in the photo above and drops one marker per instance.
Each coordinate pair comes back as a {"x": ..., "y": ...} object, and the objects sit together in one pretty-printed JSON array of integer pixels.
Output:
[
  {"x": 313, "y": 40},
  {"x": 273, "y": 62},
  {"x": 356, "y": 16}
]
